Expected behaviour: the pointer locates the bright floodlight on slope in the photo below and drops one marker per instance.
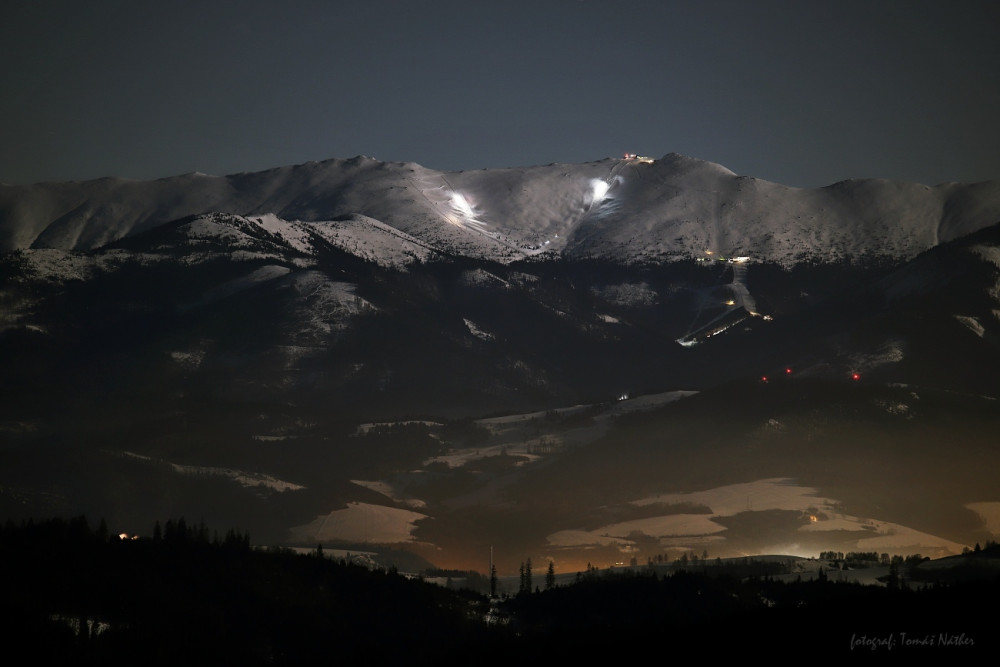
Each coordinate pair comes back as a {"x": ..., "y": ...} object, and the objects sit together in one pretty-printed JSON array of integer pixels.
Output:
[
  {"x": 598, "y": 189},
  {"x": 462, "y": 205}
]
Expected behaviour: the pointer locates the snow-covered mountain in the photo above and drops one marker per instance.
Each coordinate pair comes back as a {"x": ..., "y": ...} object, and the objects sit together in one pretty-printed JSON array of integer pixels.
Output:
[
  {"x": 627, "y": 210},
  {"x": 212, "y": 346}
]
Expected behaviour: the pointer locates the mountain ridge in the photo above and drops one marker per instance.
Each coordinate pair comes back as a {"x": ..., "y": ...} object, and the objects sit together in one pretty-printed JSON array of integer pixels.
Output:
[
  {"x": 625, "y": 209},
  {"x": 635, "y": 329}
]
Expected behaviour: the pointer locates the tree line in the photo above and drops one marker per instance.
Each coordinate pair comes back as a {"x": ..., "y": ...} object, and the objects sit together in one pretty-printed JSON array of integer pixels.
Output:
[{"x": 79, "y": 594}]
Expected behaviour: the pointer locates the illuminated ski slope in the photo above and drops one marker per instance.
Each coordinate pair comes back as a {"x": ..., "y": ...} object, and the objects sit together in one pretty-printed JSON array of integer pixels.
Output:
[{"x": 717, "y": 313}]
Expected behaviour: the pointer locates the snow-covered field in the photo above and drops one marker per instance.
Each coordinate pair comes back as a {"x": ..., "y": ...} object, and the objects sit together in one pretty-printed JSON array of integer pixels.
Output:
[
  {"x": 389, "y": 491},
  {"x": 242, "y": 477},
  {"x": 360, "y": 522},
  {"x": 764, "y": 494},
  {"x": 512, "y": 435},
  {"x": 819, "y": 515}
]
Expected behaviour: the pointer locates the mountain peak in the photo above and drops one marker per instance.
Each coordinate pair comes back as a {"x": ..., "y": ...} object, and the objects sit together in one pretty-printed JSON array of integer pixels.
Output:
[{"x": 687, "y": 163}]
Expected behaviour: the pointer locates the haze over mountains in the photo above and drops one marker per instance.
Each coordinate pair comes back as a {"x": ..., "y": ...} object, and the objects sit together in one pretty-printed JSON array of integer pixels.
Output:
[{"x": 579, "y": 362}]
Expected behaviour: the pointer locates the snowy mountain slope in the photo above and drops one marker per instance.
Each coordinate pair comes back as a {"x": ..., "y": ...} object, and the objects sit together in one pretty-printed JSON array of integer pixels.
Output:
[
  {"x": 683, "y": 207},
  {"x": 83, "y": 215},
  {"x": 91, "y": 214},
  {"x": 178, "y": 338},
  {"x": 538, "y": 206},
  {"x": 624, "y": 210},
  {"x": 268, "y": 236},
  {"x": 360, "y": 311}
]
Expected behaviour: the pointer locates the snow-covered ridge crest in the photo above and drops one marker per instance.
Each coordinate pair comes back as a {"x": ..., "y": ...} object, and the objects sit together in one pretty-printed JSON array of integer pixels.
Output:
[
  {"x": 299, "y": 242},
  {"x": 624, "y": 209}
]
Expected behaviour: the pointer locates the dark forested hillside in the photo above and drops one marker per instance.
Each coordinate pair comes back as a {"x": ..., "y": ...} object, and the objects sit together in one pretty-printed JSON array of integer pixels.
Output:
[{"x": 76, "y": 595}]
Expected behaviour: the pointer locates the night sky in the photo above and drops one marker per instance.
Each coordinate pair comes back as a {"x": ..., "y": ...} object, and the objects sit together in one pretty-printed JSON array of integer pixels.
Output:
[{"x": 802, "y": 93}]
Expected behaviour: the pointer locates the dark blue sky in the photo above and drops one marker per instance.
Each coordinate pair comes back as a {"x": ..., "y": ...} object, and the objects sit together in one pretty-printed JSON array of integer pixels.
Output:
[{"x": 803, "y": 93}]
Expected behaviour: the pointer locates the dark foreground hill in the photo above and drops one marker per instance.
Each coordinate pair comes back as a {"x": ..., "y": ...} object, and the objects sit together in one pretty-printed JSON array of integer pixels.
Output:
[{"x": 79, "y": 596}]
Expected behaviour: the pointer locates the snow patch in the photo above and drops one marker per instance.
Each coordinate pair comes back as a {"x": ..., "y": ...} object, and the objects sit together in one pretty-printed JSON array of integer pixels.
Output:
[
  {"x": 365, "y": 428},
  {"x": 973, "y": 324},
  {"x": 766, "y": 494},
  {"x": 480, "y": 278},
  {"x": 890, "y": 352},
  {"x": 60, "y": 266},
  {"x": 295, "y": 235},
  {"x": 190, "y": 360},
  {"x": 244, "y": 478},
  {"x": 899, "y": 538},
  {"x": 580, "y": 538},
  {"x": 989, "y": 253},
  {"x": 524, "y": 451},
  {"x": 894, "y": 407},
  {"x": 477, "y": 332},
  {"x": 389, "y": 492},
  {"x": 360, "y": 522},
  {"x": 819, "y": 515},
  {"x": 324, "y": 307}
]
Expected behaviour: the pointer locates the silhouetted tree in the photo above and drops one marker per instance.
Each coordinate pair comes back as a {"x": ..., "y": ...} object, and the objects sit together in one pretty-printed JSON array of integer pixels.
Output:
[{"x": 525, "y": 584}]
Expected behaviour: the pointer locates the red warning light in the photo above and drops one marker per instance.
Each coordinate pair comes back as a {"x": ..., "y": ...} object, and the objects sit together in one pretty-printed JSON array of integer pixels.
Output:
[
  {"x": 763, "y": 378},
  {"x": 788, "y": 371},
  {"x": 855, "y": 376}
]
